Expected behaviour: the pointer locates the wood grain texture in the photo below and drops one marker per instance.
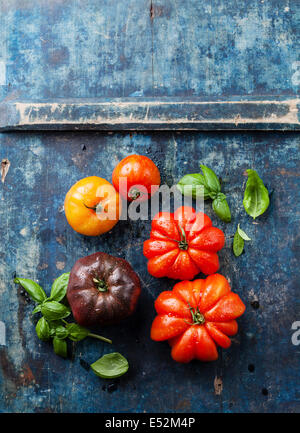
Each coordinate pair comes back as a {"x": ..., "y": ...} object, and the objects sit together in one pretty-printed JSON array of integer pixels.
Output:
[
  {"x": 75, "y": 50},
  {"x": 36, "y": 242},
  {"x": 150, "y": 114},
  {"x": 149, "y": 48}
]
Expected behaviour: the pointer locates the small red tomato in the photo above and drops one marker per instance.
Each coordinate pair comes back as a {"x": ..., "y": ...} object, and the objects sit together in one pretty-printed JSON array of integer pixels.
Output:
[{"x": 136, "y": 177}]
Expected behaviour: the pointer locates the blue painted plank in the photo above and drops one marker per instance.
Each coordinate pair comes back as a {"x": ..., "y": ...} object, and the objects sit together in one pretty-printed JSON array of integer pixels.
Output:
[
  {"x": 38, "y": 243},
  {"x": 225, "y": 48},
  {"x": 166, "y": 48},
  {"x": 79, "y": 48}
]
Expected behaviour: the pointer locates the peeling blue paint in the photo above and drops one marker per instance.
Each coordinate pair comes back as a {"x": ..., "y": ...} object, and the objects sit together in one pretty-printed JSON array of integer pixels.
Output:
[
  {"x": 152, "y": 49},
  {"x": 107, "y": 49},
  {"x": 40, "y": 244}
]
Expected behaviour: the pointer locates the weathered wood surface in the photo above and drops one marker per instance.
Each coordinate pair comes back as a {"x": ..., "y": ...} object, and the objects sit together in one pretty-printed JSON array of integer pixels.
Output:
[
  {"x": 94, "y": 50},
  {"x": 221, "y": 51},
  {"x": 150, "y": 114},
  {"x": 37, "y": 242}
]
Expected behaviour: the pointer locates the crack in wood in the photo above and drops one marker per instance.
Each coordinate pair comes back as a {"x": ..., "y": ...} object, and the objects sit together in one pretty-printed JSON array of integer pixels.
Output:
[
  {"x": 218, "y": 385},
  {"x": 5, "y": 164}
]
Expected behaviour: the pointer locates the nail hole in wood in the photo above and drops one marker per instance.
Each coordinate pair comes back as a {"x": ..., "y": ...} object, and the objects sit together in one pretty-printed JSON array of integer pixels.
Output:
[
  {"x": 251, "y": 368},
  {"x": 255, "y": 305}
]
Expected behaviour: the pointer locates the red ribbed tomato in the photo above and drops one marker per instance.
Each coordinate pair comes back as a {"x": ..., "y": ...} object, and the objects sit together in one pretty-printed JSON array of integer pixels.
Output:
[
  {"x": 196, "y": 317},
  {"x": 183, "y": 244}
]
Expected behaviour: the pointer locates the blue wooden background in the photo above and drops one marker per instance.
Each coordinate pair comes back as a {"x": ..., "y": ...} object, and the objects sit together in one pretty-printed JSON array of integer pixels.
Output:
[
  {"x": 128, "y": 48},
  {"x": 93, "y": 49}
]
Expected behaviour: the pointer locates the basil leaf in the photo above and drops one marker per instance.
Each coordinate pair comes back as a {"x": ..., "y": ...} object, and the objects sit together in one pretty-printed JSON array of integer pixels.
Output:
[
  {"x": 238, "y": 244},
  {"x": 52, "y": 332},
  {"x": 243, "y": 234},
  {"x": 221, "y": 208},
  {"x": 213, "y": 195},
  {"x": 77, "y": 332},
  {"x": 193, "y": 185},
  {"x": 53, "y": 324},
  {"x": 37, "y": 309},
  {"x": 53, "y": 310},
  {"x": 61, "y": 332},
  {"x": 211, "y": 180},
  {"x": 110, "y": 366},
  {"x": 43, "y": 329},
  {"x": 33, "y": 289},
  {"x": 59, "y": 287},
  {"x": 256, "y": 196},
  {"x": 60, "y": 347}
]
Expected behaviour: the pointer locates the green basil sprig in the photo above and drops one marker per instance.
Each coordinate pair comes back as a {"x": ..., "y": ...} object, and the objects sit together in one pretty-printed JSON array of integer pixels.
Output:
[
  {"x": 110, "y": 366},
  {"x": 256, "y": 196},
  {"x": 59, "y": 287},
  {"x": 33, "y": 289},
  {"x": 211, "y": 180},
  {"x": 193, "y": 185},
  {"x": 53, "y": 310},
  {"x": 60, "y": 347},
  {"x": 52, "y": 323},
  {"x": 206, "y": 185},
  {"x": 239, "y": 241},
  {"x": 61, "y": 332},
  {"x": 77, "y": 332},
  {"x": 43, "y": 329},
  {"x": 221, "y": 208}
]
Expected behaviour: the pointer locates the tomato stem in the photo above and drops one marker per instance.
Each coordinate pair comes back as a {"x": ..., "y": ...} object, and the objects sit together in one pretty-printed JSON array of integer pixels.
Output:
[
  {"x": 134, "y": 193},
  {"x": 101, "y": 285},
  {"x": 98, "y": 208},
  {"x": 183, "y": 244},
  {"x": 198, "y": 318}
]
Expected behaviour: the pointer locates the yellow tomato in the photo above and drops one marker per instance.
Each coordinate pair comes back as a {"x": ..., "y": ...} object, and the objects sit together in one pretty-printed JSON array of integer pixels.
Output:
[{"x": 92, "y": 206}]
